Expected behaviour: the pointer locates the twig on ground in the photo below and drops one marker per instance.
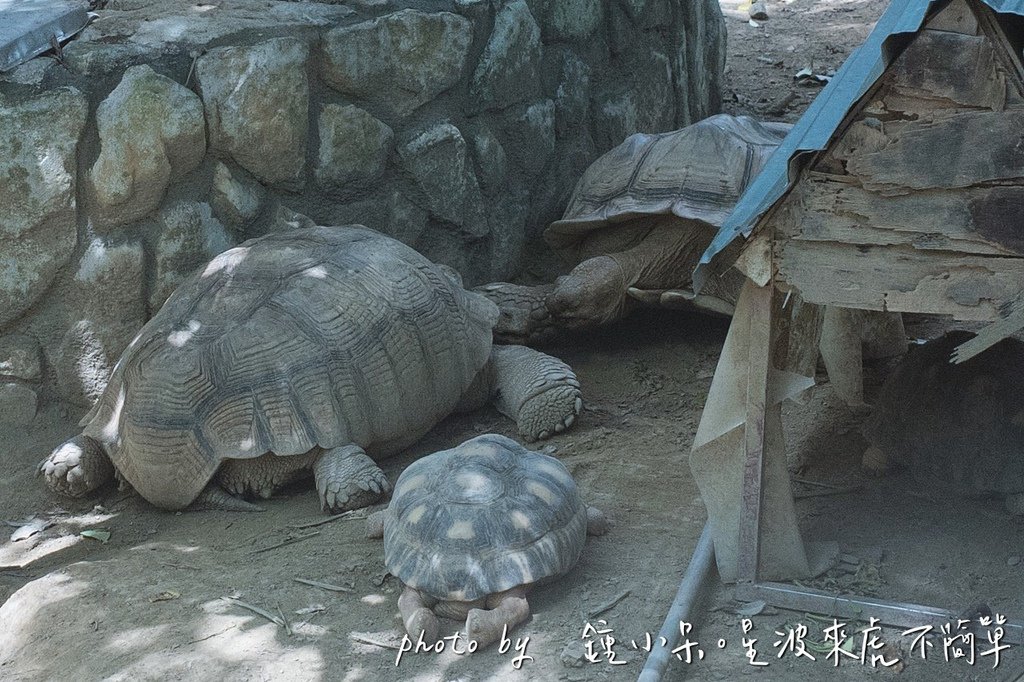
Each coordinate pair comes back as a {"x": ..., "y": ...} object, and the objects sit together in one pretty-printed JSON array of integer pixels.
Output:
[
  {"x": 287, "y": 541},
  {"x": 608, "y": 606},
  {"x": 323, "y": 586}
]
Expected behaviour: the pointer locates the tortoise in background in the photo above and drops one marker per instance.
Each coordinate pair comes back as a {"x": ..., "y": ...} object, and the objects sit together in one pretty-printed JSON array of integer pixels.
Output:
[
  {"x": 637, "y": 223},
  {"x": 323, "y": 348},
  {"x": 470, "y": 530},
  {"x": 958, "y": 429}
]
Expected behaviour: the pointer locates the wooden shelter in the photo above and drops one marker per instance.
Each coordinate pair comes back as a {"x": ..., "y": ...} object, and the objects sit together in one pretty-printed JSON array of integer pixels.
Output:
[{"x": 901, "y": 189}]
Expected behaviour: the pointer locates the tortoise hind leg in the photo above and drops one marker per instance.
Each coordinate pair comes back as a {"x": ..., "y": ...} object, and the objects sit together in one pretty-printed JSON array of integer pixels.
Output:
[
  {"x": 346, "y": 479},
  {"x": 538, "y": 391},
  {"x": 215, "y": 498},
  {"x": 417, "y": 616},
  {"x": 507, "y": 609},
  {"x": 76, "y": 467}
]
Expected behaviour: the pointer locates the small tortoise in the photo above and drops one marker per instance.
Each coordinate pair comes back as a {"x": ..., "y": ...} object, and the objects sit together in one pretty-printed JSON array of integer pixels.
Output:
[
  {"x": 959, "y": 429},
  {"x": 638, "y": 222},
  {"x": 322, "y": 348},
  {"x": 471, "y": 529}
]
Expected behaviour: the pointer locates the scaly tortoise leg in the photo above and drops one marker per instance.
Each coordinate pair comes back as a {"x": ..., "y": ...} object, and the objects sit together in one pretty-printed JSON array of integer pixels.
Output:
[
  {"x": 76, "y": 466},
  {"x": 346, "y": 479},
  {"x": 417, "y": 616},
  {"x": 540, "y": 392},
  {"x": 523, "y": 312},
  {"x": 504, "y": 609}
]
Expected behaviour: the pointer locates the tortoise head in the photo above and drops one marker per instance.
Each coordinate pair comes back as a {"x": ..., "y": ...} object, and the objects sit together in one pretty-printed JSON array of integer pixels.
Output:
[{"x": 594, "y": 293}]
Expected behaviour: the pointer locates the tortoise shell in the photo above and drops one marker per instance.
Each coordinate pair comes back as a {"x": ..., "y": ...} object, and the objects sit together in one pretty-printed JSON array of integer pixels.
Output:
[
  {"x": 959, "y": 429},
  {"x": 481, "y": 518},
  {"x": 325, "y": 336},
  {"x": 696, "y": 173}
]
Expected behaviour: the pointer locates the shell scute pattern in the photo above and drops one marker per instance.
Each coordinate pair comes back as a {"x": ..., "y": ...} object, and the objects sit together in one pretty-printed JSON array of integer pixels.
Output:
[
  {"x": 481, "y": 518},
  {"x": 697, "y": 173},
  {"x": 294, "y": 340}
]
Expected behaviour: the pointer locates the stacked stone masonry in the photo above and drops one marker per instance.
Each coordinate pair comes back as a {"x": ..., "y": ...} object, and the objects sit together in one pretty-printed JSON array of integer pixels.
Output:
[{"x": 174, "y": 130}]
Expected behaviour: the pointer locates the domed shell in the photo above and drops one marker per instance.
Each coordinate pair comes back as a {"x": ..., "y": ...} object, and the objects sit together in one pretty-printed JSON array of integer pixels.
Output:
[
  {"x": 481, "y": 518},
  {"x": 696, "y": 173},
  {"x": 324, "y": 336}
]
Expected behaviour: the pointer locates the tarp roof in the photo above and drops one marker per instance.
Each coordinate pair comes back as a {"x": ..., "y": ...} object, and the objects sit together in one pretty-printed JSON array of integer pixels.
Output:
[{"x": 815, "y": 128}]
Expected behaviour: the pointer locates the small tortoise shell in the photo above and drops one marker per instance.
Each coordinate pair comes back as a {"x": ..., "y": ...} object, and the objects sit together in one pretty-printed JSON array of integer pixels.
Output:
[{"x": 481, "y": 518}]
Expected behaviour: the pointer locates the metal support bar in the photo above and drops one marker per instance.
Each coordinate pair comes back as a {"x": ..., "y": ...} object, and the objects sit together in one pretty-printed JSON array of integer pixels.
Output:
[
  {"x": 689, "y": 589},
  {"x": 894, "y": 614}
]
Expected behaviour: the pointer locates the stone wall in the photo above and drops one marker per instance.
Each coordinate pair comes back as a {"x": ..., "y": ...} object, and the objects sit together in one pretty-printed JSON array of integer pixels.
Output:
[{"x": 173, "y": 130}]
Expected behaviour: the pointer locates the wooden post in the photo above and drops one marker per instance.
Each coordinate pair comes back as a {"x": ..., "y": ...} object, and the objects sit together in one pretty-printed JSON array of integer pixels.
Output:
[{"x": 755, "y": 433}]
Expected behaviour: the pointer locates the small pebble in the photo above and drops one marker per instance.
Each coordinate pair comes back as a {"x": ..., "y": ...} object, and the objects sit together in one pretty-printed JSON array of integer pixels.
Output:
[
  {"x": 573, "y": 655},
  {"x": 1013, "y": 561}
]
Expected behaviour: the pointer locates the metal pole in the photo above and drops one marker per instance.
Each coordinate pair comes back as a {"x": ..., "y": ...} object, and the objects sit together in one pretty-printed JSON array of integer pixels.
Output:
[{"x": 689, "y": 590}]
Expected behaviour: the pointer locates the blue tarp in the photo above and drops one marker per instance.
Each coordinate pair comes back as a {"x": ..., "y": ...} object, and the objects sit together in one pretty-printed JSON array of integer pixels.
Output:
[{"x": 816, "y": 127}]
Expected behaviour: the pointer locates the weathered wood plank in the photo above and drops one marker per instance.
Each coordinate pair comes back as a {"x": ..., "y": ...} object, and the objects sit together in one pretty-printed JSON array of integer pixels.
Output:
[
  {"x": 955, "y": 17},
  {"x": 1012, "y": 322},
  {"x": 980, "y": 220},
  {"x": 901, "y": 279},
  {"x": 960, "y": 69},
  {"x": 959, "y": 151}
]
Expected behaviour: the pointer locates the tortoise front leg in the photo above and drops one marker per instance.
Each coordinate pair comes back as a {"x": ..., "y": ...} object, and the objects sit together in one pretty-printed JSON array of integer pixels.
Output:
[
  {"x": 540, "y": 392},
  {"x": 417, "y": 616},
  {"x": 524, "y": 316},
  {"x": 505, "y": 609},
  {"x": 76, "y": 467}
]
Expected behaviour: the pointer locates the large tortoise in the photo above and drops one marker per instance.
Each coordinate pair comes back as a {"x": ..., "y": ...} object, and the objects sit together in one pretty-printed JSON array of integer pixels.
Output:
[
  {"x": 638, "y": 222},
  {"x": 322, "y": 348},
  {"x": 470, "y": 530},
  {"x": 958, "y": 429}
]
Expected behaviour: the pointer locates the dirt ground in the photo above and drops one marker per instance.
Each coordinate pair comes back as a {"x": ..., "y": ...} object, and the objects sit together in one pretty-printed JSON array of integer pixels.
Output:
[{"x": 163, "y": 597}]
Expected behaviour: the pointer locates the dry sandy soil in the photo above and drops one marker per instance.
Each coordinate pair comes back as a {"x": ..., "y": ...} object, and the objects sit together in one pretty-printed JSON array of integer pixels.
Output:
[{"x": 153, "y": 601}]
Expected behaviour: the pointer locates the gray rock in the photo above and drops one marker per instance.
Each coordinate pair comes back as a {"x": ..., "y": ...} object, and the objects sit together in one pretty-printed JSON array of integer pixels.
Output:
[
  {"x": 18, "y": 404},
  {"x": 572, "y": 96},
  {"x": 490, "y": 158},
  {"x": 507, "y": 220},
  {"x": 82, "y": 364},
  {"x": 151, "y": 132},
  {"x": 399, "y": 61},
  {"x": 758, "y": 11},
  {"x": 646, "y": 105},
  {"x": 38, "y": 228},
  {"x": 189, "y": 237},
  {"x": 509, "y": 69},
  {"x": 528, "y": 134},
  {"x": 649, "y": 13},
  {"x": 102, "y": 308},
  {"x": 282, "y": 219},
  {"x": 257, "y": 102},
  {"x": 408, "y": 221},
  {"x": 354, "y": 146},
  {"x": 574, "y": 19},
  {"x": 19, "y": 358},
  {"x": 234, "y": 197},
  {"x": 436, "y": 159}
]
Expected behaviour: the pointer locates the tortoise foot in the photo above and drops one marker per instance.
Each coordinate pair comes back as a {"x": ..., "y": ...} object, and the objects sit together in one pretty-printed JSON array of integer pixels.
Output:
[
  {"x": 539, "y": 391},
  {"x": 486, "y": 626},
  {"x": 215, "y": 498},
  {"x": 418, "y": 619},
  {"x": 346, "y": 479},
  {"x": 76, "y": 467}
]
